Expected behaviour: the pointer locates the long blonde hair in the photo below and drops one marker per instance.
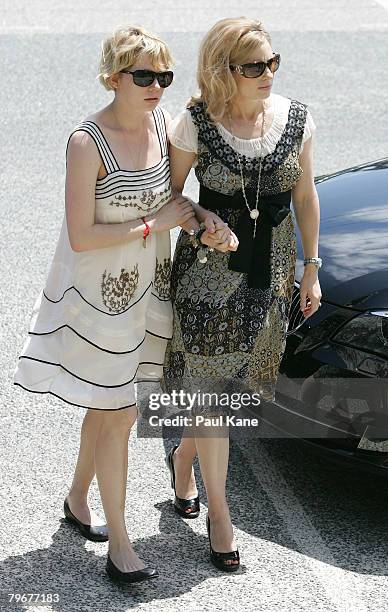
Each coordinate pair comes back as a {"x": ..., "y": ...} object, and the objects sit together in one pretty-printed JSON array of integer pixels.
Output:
[
  {"x": 229, "y": 41},
  {"x": 124, "y": 47}
]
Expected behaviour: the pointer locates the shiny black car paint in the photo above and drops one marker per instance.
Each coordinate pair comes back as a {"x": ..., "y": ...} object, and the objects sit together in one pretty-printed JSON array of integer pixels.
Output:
[{"x": 329, "y": 393}]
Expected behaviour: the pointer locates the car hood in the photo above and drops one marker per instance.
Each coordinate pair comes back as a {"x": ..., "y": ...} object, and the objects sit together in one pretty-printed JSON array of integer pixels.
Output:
[{"x": 353, "y": 240}]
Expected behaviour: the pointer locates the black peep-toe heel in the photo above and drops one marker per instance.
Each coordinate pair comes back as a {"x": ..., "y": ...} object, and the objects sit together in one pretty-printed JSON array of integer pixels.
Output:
[
  {"x": 218, "y": 558},
  {"x": 181, "y": 505}
]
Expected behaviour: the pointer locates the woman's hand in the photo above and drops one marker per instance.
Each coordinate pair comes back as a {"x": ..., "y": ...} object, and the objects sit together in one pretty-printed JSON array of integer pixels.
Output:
[
  {"x": 176, "y": 212},
  {"x": 230, "y": 243},
  {"x": 215, "y": 225},
  {"x": 218, "y": 234},
  {"x": 310, "y": 290}
]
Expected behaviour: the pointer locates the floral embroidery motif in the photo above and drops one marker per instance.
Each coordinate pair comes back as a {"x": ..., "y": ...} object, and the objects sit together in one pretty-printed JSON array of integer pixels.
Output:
[
  {"x": 117, "y": 292},
  {"x": 145, "y": 200},
  {"x": 163, "y": 277}
]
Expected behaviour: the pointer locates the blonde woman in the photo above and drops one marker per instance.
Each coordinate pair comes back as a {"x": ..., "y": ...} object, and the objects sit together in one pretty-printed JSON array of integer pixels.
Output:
[
  {"x": 233, "y": 275},
  {"x": 103, "y": 319}
]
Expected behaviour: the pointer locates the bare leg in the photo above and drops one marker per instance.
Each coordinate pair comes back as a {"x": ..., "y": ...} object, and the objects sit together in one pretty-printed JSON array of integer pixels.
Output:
[
  {"x": 183, "y": 459},
  {"x": 77, "y": 497},
  {"x": 213, "y": 455},
  {"x": 111, "y": 461}
]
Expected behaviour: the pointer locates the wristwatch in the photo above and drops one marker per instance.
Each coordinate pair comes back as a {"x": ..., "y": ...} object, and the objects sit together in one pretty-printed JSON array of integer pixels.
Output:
[{"x": 317, "y": 261}]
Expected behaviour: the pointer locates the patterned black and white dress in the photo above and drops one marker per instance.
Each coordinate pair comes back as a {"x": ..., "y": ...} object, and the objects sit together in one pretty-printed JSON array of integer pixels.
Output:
[
  {"x": 231, "y": 313},
  {"x": 102, "y": 321}
]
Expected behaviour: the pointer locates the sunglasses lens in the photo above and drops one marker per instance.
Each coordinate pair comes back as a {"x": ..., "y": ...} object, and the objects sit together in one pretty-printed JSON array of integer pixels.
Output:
[
  {"x": 274, "y": 65},
  {"x": 143, "y": 78},
  {"x": 252, "y": 71},
  {"x": 165, "y": 78}
]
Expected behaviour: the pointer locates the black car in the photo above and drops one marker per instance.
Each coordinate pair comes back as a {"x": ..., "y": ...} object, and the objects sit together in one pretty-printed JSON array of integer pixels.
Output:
[{"x": 332, "y": 390}]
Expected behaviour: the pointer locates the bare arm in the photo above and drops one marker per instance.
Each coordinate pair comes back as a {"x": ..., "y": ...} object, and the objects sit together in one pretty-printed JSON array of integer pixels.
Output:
[
  {"x": 180, "y": 166},
  {"x": 181, "y": 163},
  {"x": 218, "y": 235},
  {"x": 306, "y": 205}
]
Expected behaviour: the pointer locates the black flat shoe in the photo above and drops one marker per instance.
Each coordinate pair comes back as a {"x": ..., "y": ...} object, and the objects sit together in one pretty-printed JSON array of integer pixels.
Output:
[
  {"x": 181, "y": 505},
  {"x": 128, "y": 577},
  {"x": 218, "y": 558},
  {"x": 95, "y": 533}
]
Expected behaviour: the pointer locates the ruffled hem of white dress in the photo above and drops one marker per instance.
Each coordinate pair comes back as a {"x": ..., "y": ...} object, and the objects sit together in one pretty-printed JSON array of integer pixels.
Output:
[{"x": 87, "y": 358}]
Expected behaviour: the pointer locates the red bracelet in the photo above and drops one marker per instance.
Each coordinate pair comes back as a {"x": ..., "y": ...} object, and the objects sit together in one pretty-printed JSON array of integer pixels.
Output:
[{"x": 145, "y": 232}]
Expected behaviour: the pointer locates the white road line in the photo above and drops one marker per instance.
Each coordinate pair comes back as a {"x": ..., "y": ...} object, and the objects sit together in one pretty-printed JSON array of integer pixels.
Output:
[{"x": 342, "y": 587}]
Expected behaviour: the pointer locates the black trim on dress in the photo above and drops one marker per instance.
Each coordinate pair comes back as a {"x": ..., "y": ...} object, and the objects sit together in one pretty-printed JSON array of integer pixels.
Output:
[
  {"x": 71, "y": 403},
  {"x": 110, "y": 314},
  {"x": 89, "y": 382}
]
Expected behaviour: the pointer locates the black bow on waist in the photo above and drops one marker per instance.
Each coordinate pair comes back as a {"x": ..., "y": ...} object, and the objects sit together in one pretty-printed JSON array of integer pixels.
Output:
[{"x": 253, "y": 254}]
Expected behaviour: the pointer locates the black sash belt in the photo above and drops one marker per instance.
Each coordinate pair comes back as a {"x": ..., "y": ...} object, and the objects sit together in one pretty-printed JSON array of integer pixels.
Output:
[{"x": 253, "y": 254}]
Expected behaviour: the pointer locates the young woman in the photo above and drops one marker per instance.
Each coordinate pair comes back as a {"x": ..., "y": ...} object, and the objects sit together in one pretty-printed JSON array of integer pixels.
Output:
[
  {"x": 232, "y": 281},
  {"x": 103, "y": 319}
]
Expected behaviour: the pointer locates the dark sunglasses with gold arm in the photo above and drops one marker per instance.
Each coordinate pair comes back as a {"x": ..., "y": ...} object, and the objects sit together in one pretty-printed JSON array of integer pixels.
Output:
[{"x": 256, "y": 69}]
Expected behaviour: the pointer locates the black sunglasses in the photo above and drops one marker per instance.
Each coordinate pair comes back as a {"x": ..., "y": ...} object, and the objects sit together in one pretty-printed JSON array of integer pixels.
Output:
[
  {"x": 256, "y": 69},
  {"x": 145, "y": 78}
]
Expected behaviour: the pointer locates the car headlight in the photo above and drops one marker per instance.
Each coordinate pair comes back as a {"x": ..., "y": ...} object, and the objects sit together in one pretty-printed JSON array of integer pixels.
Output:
[{"x": 367, "y": 332}]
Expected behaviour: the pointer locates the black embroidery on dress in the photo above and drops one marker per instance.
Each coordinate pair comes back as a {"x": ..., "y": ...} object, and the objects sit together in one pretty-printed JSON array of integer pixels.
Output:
[
  {"x": 162, "y": 279},
  {"x": 117, "y": 292},
  {"x": 218, "y": 147},
  {"x": 147, "y": 198}
]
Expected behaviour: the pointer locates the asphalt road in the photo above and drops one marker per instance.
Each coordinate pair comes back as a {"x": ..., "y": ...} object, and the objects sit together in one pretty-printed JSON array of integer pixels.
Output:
[{"x": 312, "y": 535}]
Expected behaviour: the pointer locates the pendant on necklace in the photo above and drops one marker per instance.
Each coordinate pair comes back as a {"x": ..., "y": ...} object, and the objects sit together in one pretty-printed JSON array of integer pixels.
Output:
[{"x": 254, "y": 213}]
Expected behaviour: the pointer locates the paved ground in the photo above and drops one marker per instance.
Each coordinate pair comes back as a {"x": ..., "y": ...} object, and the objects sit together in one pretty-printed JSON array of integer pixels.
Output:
[{"x": 311, "y": 535}]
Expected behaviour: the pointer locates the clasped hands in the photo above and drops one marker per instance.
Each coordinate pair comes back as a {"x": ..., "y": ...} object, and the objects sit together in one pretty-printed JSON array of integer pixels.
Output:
[{"x": 218, "y": 234}]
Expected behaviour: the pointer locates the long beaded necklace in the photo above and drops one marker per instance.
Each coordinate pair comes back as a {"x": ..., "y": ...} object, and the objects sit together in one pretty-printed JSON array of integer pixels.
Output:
[{"x": 253, "y": 212}]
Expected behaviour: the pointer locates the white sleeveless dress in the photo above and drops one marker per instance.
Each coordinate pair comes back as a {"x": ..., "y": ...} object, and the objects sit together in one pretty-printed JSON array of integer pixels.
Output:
[{"x": 103, "y": 319}]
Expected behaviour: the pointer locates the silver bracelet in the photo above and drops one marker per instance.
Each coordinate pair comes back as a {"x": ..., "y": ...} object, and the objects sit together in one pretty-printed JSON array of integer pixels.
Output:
[
  {"x": 195, "y": 239},
  {"x": 317, "y": 261},
  {"x": 195, "y": 235}
]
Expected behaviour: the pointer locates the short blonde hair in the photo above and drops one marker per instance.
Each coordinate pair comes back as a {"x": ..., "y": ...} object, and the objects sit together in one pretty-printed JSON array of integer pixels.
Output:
[
  {"x": 229, "y": 41},
  {"x": 124, "y": 47}
]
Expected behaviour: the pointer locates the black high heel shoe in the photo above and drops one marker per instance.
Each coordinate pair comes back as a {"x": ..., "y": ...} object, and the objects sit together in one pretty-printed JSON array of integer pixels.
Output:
[
  {"x": 218, "y": 558},
  {"x": 128, "y": 577},
  {"x": 97, "y": 533},
  {"x": 181, "y": 505}
]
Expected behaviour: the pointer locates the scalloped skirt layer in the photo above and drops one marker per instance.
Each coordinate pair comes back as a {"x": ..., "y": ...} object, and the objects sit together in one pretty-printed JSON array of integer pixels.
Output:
[{"x": 69, "y": 351}]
